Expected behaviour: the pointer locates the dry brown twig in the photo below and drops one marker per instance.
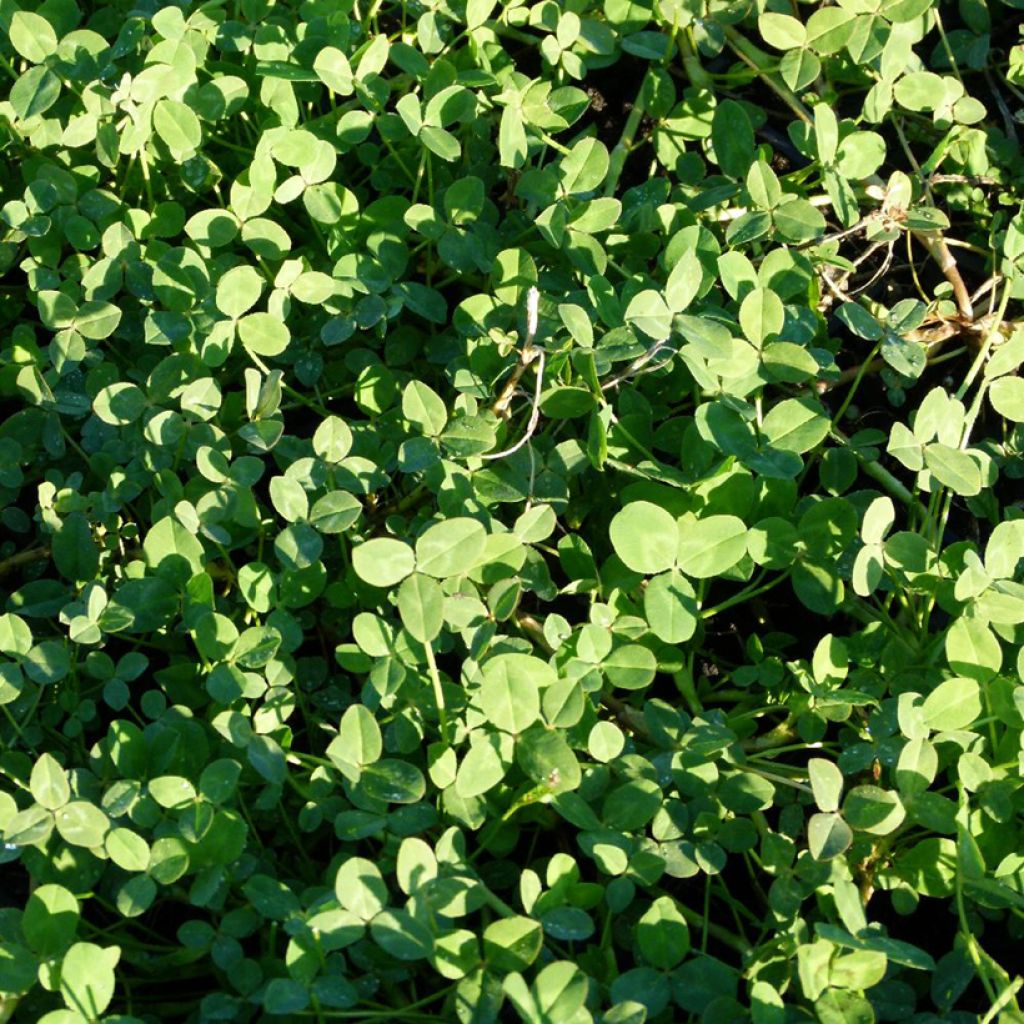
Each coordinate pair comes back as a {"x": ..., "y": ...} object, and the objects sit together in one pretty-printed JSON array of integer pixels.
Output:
[{"x": 528, "y": 354}]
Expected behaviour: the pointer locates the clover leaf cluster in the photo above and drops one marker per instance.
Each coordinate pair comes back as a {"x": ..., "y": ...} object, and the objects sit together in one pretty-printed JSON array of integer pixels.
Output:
[{"x": 511, "y": 511}]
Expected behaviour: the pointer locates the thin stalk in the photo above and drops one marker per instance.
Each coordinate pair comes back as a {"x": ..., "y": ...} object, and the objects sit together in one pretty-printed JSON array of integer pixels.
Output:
[
  {"x": 881, "y": 475},
  {"x": 625, "y": 143},
  {"x": 979, "y": 361},
  {"x": 743, "y": 596},
  {"x": 435, "y": 679}
]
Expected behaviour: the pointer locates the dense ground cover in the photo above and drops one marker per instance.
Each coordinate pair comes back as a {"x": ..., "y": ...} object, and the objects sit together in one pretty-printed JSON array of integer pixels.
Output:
[{"x": 511, "y": 512}]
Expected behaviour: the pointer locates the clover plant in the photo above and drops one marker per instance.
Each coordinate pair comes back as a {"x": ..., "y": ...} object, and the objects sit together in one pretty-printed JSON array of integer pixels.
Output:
[{"x": 511, "y": 511}]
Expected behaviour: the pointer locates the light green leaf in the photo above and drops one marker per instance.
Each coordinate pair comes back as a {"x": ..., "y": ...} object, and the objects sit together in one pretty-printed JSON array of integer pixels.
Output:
[
  {"x": 32, "y": 36},
  {"x": 761, "y": 316},
  {"x": 289, "y": 498},
  {"x": 263, "y": 334},
  {"x": 953, "y": 468},
  {"x": 332, "y": 439},
  {"x": 333, "y": 69},
  {"x": 584, "y": 168},
  {"x": 34, "y": 92},
  {"x": 178, "y": 126},
  {"x": 421, "y": 606},
  {"x": 663, "y": 934},
  {"x": 359, "y": 738},
  {"x": 873, "y": 809},
  {"x": 49, "y": 783},
  {"x": 953, "y": 704},
  {"x": 828, "y": 836},
  {"x": 450, "y": 548},
  {"x": 239, "y": 290},
  {"x": 1007, "y": 397},
  {"x": 119, "y": 404},
  {"x": 649, "y": 314},
  {"x": 423, "y": 407},
  {"x": 645, "y": 537},
  {"x": 796, "y": 425},
  {"x": 670, "y": 605},
  {"x": 87, "y": 978},
  {"x": 383, "y": 561},
  {"x": 512, "y": 944},
  {"x": 361, "y": 888},
  {"x": 708, "y": 547},
  {"x": 510, "y": 693},
  {"x": 827, "y": 783}
]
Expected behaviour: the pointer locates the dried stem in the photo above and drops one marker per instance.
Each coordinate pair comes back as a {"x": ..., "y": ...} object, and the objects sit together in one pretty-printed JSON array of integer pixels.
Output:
[{"x": 9, "y": 565}]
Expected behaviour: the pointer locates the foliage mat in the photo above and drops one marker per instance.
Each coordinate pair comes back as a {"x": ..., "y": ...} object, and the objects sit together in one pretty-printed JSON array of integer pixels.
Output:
[{"x": 511, "y": 511}]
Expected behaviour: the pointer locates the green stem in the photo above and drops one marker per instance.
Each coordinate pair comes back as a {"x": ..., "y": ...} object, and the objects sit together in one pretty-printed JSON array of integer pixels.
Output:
[
  {"x": 435, "y": 679},
  {"x": 743, "y": 596},
  {"x": 625, "y": 143},
  {"x": 879, "y": 473},
  {"x": 764, "y": 65},
  {"x": 979, "y": 362}
]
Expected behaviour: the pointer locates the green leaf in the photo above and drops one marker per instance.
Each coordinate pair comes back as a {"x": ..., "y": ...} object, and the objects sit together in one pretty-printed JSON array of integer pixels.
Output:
[
  {"x": 512, "y": 944},
  {"x": 87, "y": 978},
  {"x": 733, "y": 139},
  {"x": 82, "y": 824},
  {"x": 34, "y": 92},
  {"x": 97, "y": 320},
  {"x": 671, "y": 608},
  {"x": 828, "y": 836},
  {"x": 584, "y": 168},
  {"x": 684, "y": 283},
  {"x": 393, "y": 781},
  {"x": 359, "y": 738},
  {"x": 401, "y": 935},
  {"x": 708, "y": 547},
  {"x": 829, "y": 29},
  {"x": 119, "y": 404},
  {"x": 178, "y": 126},
  {"x": 953, "y": 468},
  {"x": 360, "y": 888},
  {"x": 630, "y": 667},
  {"x": 663, "y": 934},
  {"x": 421, "y": 606},
  {"x": 289, "y": 498},
  {"x": 826, "y": 782},
  {"x": 383, "y": 561},
  {"x": 170, "y": 549},
  {"x": 481, "y": 769},
  {"x": 872, "y": 809},
  {"x": 645, "y": 537},
  {"x": 796, "y": 425},
  {"x": 761, "y": 316},
  {"x": 422, "y": 407},
  {"x": 547, "y": 758},
  {"x": 649, "y": 314},
  {"x": 238, "y": 291},
  {"x": 478, "y": 12},
  {"x": 332, "y": 439},
  {"x": 127, "y": 849},
  {"x": 782, "y": 31},
  {"x": 953, "y": 704},
  {"x": 32, "y": 36},
  {"x": 450, "y": 548},
  {"x": 50, "y": 920},
  {"x": 333, "y": 69},
  {"x": 49, "y": 783},
  {"x": 75, "y": 552},
  {"x": 510, "y": 693},
  {"x": 263, "y": 334},
  {"x": 1007, "y": 397},
  {"x": 973, "y": 650}
]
